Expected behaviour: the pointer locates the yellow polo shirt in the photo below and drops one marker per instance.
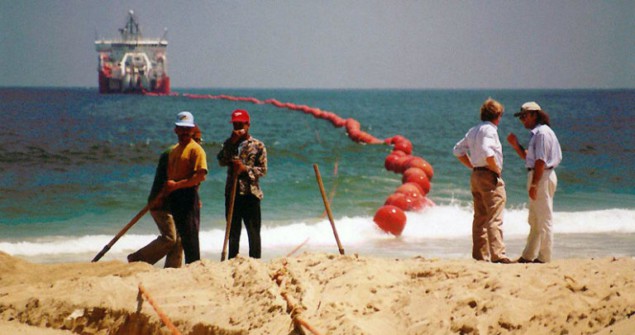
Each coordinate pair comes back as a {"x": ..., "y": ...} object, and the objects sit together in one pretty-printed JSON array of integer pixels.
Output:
[{"x": 184, "y": 161}]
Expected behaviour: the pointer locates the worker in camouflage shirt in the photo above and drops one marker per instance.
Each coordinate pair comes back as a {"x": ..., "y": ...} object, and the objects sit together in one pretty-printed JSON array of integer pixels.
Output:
[{"x": 245, "y": 157}]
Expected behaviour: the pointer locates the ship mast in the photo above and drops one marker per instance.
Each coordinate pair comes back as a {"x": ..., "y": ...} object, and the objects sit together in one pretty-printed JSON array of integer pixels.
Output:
[{"x": 131, "y": 31}]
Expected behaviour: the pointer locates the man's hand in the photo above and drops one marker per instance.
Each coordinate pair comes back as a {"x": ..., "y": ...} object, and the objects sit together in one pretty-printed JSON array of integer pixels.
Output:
[
  {"x": 237, "y": 135},
  {"x": 532, "y": 192},
  {"x": 170, "y": 186},
  {"x": 512, "y": 139},
  {"x": 239, "y": 167},
  {"x": 491, "y": 165},
  {"x": 465, "y": 160}
]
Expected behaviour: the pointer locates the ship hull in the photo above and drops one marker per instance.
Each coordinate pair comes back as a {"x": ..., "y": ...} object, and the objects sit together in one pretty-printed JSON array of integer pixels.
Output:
[{"x": 127, "y": 85}]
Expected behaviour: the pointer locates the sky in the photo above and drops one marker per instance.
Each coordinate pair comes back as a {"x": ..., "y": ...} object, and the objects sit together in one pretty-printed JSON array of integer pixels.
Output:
[{"x": 488, "y": 44}]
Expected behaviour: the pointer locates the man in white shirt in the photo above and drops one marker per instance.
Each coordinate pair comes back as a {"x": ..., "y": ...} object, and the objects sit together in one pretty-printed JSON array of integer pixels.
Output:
[
  {"x": 481, "y": 151},
  {"x": 542, "y": 156}
]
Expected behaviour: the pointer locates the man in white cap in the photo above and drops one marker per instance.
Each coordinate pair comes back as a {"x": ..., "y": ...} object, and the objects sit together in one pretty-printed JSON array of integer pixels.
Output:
[
  {"x": 187, "y": 169},
  {"x": 168, "y": 244},
  {"x": 542, "y": 156}
]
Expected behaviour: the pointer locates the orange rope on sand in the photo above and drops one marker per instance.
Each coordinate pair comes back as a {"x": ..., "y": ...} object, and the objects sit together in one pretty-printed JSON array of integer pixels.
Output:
[
  {"x": 306, "y": 325},
  {"x": 164, "y": 318},
  {"x": 278, "y": 278}
]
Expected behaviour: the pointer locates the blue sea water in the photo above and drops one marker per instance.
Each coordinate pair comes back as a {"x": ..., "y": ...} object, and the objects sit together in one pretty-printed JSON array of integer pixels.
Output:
[{"x": 76, "y": 166}]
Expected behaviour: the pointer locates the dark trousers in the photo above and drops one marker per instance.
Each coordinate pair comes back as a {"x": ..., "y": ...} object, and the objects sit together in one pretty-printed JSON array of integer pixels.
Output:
[
  {"x": 184, "y": 207},
  {"x": 247, "y": 210}
]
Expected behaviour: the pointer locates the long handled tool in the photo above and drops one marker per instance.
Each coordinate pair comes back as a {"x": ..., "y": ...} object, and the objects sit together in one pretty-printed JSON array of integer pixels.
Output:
[
  {"x": 230, "y": 215},
  {"x": 164, "y": 318},
  {"x": 132, "y": 222},
  {"x": 328, "y": 207}
]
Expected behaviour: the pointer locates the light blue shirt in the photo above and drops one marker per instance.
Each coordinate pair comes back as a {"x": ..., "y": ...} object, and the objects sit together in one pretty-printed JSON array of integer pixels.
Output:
[
  {"x": 543, "y": 145},
  {"x": 480, "y": 142}
]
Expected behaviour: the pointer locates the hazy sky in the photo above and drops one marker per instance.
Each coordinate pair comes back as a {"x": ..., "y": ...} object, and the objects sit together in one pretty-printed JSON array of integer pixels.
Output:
[{"x": 333, "y": 44}]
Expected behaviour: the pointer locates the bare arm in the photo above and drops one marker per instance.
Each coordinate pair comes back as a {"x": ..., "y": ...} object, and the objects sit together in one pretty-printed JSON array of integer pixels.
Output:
[
  {"x": 491, "y": 164},
  {"x": 197, "y": 178},
  {"x": 513, "y": 141},
  {"x": 466, "y": 161}
]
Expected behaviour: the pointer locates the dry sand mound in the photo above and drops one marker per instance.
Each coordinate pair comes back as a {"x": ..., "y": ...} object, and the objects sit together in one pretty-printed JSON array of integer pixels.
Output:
[{"x": 332, "y": 294}]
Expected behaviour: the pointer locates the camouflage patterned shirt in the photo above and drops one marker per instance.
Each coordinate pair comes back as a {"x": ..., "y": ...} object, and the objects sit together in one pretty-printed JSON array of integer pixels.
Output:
[{"x": 253, "y": 154}]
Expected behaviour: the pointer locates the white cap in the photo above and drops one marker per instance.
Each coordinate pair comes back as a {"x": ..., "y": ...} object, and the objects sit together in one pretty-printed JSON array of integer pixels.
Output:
[
  {"x": 185, "y": 119},
  {"x": 528, "y": 106}
]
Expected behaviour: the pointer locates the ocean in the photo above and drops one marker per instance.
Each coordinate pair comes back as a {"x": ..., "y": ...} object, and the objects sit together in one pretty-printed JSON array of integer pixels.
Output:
[{"x": 76, "y": 166}]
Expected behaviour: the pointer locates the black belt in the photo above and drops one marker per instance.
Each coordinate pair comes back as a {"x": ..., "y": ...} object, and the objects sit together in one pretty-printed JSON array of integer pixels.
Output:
[{"x": 548, "y": 168}]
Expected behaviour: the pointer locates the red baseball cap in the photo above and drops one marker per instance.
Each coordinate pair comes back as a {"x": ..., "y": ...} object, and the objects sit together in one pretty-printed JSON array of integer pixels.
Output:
[{"x": 240, "y": 115}]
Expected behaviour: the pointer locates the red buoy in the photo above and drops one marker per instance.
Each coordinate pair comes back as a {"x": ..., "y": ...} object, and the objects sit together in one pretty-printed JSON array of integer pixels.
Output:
[
  {"x": 352, "y": 124},
  {"x": 390, "y": 219},
  {"x": 417, "y": 172},
  {"x": 421, "y": 163},
  {"x": 391, "y": 160},
  {"x": 317, "y": 113},
  {"x": 400, "y": 164},
  {"x": 398, "y": 153},
  {"x": 410, "y": 189},
  {"x": 354, "y": 134},
  {"x": 338, "y": 121},
  {"x": 417, "y": 176},
  {"x": 396, "y": 138},
  {"x": 398, "y": 200},
  {"x": 404, "y": 145},
  {"x": 416, "y": 203}
]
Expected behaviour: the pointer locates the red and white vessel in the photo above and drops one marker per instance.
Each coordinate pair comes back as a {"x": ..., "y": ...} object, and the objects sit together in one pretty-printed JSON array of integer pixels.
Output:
[{"x": 133, "y": 64}]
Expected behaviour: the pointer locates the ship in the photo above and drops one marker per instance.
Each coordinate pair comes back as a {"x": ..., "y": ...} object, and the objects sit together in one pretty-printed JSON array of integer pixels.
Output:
[{"x": 131, "y": 63}]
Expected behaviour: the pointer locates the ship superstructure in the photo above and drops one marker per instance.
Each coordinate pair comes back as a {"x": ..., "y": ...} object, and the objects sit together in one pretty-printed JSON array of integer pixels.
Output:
[{"x": 132, "y": 64}]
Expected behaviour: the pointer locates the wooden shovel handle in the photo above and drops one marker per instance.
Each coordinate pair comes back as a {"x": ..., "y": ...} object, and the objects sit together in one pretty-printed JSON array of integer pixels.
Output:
[{"x": 230, "y": 215}]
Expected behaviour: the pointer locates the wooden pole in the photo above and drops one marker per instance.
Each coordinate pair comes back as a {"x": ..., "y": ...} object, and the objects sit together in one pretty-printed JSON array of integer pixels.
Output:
[
  {"x": 132, "y": 222},
  {"x": 332, "y": 194},
  {"x": 328, "y": 207},
  {"x": 164, "y": 318},
  {"x": 230, "y": 215},
  {"x": 297, "y": 248}
]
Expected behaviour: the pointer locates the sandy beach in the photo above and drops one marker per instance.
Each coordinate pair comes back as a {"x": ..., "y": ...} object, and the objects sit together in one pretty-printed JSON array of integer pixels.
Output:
[{"x": 332, "y": 294}]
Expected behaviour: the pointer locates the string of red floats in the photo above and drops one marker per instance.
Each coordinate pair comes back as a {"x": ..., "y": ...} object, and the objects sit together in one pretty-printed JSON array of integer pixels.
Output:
[{"x": 416, "y": 172}]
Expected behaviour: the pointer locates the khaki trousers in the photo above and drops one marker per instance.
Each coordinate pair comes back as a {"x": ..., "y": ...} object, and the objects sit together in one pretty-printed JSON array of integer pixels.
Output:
[
  {"x": 167, "y": 244},
  {"x": 488, "y": 193},
  {"x": 540, "y": 240}
]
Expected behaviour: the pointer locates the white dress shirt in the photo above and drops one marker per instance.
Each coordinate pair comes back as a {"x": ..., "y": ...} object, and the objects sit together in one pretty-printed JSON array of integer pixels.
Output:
[
  {"x": 543, "y": 145},
  {"x": 480, "y": 142}
]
